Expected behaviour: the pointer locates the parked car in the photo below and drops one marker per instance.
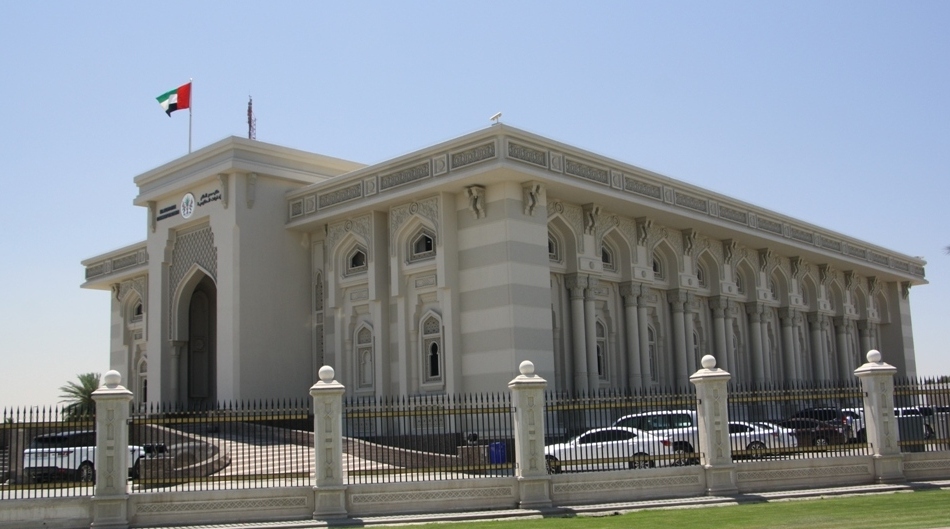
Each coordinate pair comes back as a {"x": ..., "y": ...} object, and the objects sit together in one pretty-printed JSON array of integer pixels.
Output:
[
  {"x": 812, "y": 432},
  {"x": 760, "y": 438},
  {"x": 607, "y": 448},
  {"x": 925, "y": 412},
  {"x": 69, "y": 455},
  {"x": 847, "y": 421},
  {"x": 679, "y": 426}
]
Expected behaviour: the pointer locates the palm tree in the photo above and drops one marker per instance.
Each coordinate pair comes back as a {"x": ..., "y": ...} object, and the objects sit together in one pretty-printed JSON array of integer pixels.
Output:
[{"x": 78, "y": 395}]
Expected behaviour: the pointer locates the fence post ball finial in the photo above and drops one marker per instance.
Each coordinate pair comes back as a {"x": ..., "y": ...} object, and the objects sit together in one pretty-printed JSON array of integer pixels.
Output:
[
  {"x": 526, "y": 368},
  {"x": 111, "y": 379},
  {"x": 709, "y": 361},
  {"x": 874, "y": 356},
  {"x": 326, "y": 374}
]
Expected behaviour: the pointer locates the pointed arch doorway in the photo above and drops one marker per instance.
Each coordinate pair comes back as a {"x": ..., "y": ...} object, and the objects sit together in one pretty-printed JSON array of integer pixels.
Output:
[{"x": 198, "y": 365}]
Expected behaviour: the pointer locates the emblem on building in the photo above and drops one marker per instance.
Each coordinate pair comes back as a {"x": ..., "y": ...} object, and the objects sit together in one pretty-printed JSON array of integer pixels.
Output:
[{"x": 187, "y": 205}]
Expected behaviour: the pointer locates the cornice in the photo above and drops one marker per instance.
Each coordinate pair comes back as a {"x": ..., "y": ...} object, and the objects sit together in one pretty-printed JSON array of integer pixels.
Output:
[
  {"x": 234, "y": 154},
  {"x": 120, "y": 264}
]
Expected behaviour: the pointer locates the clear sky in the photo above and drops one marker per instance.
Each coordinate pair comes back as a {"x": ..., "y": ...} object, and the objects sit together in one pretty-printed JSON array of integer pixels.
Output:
[{"x": 836, "y": 113}]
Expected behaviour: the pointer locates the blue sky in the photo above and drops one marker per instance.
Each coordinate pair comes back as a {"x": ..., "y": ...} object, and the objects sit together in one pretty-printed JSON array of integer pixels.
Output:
[{"x": 834, "y": 113}]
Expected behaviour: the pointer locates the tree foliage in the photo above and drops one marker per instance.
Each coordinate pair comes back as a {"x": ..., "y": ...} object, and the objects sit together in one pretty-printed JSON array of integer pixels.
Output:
[{"x": 78, "y": 396}]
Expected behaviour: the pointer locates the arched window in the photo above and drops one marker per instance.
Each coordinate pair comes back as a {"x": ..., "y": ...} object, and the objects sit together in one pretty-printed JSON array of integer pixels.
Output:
[
  {"x": 607, "y": 258},
  {"x": 365, "y": 358},
  {"x": 422, "y": 245},
  {"x": 554, "y": 249},
  {"x": 432, "y": 357},
  {"x": 701, "y": 275},
  {"x": 740, "y": 285},
  {"x": 697, "y": 346},
  {"x": 773, "y": 291},
  {"x": 651, "y": 352},
  {"x": 601, "y": 351},
  {"x": 356, "y": 261},
  {"x": 658, "y": 270}
]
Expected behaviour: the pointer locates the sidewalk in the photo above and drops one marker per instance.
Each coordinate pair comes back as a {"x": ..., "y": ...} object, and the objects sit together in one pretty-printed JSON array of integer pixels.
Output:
[{"x": 581, "y": 510}]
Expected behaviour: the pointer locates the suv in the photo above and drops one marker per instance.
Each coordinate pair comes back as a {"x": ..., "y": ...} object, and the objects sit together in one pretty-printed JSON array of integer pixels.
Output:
[
  {"x": 679, "y": 426},
  {"x": 849, "y": 421},
  {"x": 69, "y": 455},
  {"x": 925, "y": 412}
]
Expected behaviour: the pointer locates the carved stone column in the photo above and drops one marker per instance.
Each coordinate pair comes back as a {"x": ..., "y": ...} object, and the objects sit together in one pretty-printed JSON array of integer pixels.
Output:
[
  {"x": 329, "y": 490},
  {"x": 643, "y": 318},
  {"x": 677, "y": 300},
  {"x": 689, "y": 327},
  {"x": 110, "y": 506},
  {"x": 590, "y": 330},
  {"x": 527, "y": 404},
  {"x": 576, "y": 284},
  {"x": 877, "y": 381},
  {"x": 713, "y": 417},
  {"x": 817, "y": 363},
  {"x": 631, "y": 296},
  {"x": 732, "y": 348},
  {"x": 841, "y": 336},
  {"x": 754, "y": 311},
  {"x": 719, "y": 306},
  {"x": 177, "y": 347},
  {"x": 864, "y": 333},
  {"x": 787, "y": 315}
]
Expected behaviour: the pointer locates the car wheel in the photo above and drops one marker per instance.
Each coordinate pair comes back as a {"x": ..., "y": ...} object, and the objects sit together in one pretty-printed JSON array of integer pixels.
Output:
[
  {"x": 928, "y": 432},
  {"x": 642, "y": 460},
  {"x": 758, "y": 448},
  {"x": 681, "y": 451},
  {"x": 821, "y": 441},
  {"x": 552, "y": 464},
  {"x": 87, "y": 474},
  {"x": 862, "y": 435},
  {"x": 136, "y": 469}
]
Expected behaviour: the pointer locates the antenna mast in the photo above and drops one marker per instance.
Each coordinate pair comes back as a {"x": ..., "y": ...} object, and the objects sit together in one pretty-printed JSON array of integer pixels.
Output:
[{"x": 251, "y": 120}]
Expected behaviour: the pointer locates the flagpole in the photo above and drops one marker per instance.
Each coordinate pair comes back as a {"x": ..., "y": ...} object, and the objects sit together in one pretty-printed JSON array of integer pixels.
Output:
[{"x": 190, "y": 105}]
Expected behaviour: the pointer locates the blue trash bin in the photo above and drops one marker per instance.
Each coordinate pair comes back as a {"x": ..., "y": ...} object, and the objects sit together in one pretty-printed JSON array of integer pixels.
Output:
[{"x": 496, "y": 453}]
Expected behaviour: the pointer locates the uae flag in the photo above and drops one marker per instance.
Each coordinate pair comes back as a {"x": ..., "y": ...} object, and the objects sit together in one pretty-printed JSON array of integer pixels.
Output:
[{"x": 177, "y": 99}]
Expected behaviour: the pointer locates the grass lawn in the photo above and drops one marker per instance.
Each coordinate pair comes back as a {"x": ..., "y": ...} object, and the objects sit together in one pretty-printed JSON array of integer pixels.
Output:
[{"x": 905, "y": 510}]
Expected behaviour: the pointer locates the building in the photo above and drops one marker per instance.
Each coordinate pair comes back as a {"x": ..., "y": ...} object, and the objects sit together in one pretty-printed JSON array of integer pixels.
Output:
[{"x": 441, "y": 270}]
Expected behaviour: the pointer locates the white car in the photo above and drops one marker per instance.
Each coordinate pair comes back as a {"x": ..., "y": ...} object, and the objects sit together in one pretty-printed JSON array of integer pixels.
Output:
[
  {"x": 681, "y": 427},
  {"x": 608, "y": 449},
  {"x": 70, "y": 455},
  {"x": 759, "y": 438}
]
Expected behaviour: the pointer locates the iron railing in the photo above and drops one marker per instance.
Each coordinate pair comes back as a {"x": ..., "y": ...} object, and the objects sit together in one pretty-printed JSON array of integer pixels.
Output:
[
  {"x": 591, "y": 432},
  {"x": 425, "y": 438},
  {"x": 797, "y": 420},
  {"x": 922, "y": 411},
  {"x": 232, "y": 445},
  {"x": 47, "y": 452}
]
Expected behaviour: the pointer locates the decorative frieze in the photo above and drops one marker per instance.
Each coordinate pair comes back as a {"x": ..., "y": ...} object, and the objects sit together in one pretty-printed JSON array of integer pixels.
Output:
[
  {"x": 642, "y": 188},
  {"x": 410, "y": 174},
  {"x": 587, "y": 172},
  {"x": 740, "y": 217},
  {"x": 473, "y": 155},
  {"x": 691, "y": 202},
  {"x": 770, "y": 226},
  {"x": 801, "y": 235},
  {"x": 527, "y": 154},
  {"x": 339, "y": 196}
]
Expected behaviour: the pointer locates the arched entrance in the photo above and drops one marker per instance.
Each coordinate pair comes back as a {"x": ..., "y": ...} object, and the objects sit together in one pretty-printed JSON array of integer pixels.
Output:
[{"x": 199, "y": 362}]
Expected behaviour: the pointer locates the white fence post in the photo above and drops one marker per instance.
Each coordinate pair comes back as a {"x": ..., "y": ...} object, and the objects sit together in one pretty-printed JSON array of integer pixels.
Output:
[
  {"x": 110, "y": 506},
  {"x": 713, "y": 416},
  {"x": 329, "y": 490},
  {"x": 877, "y": 383},
  {"x": 527, "y": 400}
]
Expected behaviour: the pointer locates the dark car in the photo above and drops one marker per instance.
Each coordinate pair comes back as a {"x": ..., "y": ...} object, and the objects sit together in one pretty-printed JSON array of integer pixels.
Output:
[
  {"x": 813, "y": 432},
  {"x": 842, "y": 420}
]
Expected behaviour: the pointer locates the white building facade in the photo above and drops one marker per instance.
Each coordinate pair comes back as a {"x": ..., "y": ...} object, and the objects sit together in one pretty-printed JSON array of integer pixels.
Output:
[{"x": 441, "y": 270}]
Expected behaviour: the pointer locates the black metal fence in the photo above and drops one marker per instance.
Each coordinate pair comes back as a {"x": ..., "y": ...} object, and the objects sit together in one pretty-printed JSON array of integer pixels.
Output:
[
  {"x": 425, "y": 438},
  {"x": 47, "y": 452},
  {"x": 922, "y": 411},
  {"x": 233, "y": 445},
  {"x": 797, "y": 420},
  {"x": 613, "y": 429}
]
